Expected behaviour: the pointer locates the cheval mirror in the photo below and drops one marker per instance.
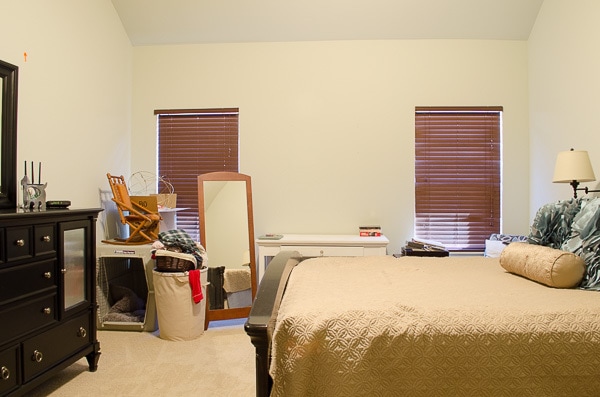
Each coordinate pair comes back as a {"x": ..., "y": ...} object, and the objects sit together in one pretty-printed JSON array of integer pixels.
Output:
[{"x": 227, "y": 234}]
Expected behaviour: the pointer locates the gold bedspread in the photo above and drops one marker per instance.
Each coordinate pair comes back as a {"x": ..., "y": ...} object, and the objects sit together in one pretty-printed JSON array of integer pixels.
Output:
[{"x": 413, "y": 326}]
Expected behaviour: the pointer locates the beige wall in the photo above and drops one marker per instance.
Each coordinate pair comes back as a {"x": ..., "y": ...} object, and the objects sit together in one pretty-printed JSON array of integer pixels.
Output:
[
  {"x": 74, "y": 92},
  {"x": 327, "y": 128},
  {"x": 564, "y": 81}
]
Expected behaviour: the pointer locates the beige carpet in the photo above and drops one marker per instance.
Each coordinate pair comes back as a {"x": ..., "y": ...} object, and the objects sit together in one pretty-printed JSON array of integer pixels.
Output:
[{"x": 218, "y": 363}]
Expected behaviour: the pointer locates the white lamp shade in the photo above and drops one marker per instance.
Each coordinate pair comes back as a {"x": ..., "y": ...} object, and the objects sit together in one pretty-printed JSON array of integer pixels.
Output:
[{"x": 573, "y": 165}]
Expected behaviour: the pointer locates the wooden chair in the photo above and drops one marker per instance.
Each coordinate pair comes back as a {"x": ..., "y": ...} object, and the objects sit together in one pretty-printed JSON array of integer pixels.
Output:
[{"x": 143, "y": 223}]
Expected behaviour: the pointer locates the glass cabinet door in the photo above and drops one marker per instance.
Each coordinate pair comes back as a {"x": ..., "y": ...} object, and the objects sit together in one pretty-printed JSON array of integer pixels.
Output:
[{"x": 75, "y": 264}]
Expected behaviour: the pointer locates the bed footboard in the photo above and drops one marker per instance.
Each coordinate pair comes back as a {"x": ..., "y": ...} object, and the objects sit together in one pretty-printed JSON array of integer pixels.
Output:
[{"x": 263, "y": 314}]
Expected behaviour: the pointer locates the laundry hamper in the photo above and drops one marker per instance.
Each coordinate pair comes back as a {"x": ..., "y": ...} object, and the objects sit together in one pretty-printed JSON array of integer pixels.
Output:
[{"x": 179, "y": 317}]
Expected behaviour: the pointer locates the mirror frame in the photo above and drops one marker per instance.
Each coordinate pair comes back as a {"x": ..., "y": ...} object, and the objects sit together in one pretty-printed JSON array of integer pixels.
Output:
[
  {"x": 223, "y": 176},
  {"x": 8, "y": 135}
]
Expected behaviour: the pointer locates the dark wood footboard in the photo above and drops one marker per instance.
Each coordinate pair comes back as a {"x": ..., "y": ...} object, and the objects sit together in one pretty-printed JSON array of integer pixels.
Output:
[{"x": 263, "y": 314}]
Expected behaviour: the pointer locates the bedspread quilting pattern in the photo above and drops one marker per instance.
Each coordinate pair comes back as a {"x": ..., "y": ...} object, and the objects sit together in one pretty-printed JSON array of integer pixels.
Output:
[{"x": 382, "y": 344}]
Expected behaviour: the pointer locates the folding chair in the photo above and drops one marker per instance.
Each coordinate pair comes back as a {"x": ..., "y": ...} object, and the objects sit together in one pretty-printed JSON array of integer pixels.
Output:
[{"x": 142, "y": 222}]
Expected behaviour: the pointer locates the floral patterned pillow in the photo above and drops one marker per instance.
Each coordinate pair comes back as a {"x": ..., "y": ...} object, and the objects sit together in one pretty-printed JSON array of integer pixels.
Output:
[
  {"x": 552, "y": 223},
  {"x": 585, "y": 241}
]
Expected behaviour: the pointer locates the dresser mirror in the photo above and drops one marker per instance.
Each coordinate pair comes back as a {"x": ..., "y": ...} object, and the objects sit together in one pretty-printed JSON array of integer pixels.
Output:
[
  {"x": 8, "y": 135},
  {"x": 227, "y": 234}
]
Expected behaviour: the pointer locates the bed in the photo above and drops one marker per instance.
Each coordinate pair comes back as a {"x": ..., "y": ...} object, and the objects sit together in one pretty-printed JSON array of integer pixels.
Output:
[{"x": 417, "y": 326}]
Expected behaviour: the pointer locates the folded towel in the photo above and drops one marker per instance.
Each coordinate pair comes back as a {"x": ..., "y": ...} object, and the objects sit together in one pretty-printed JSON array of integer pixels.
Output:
[{"x": 236, "y": 280}]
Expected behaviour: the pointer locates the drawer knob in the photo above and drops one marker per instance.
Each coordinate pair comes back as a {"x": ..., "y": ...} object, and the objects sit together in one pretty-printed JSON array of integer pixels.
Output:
[
  {"x": 82, "y": 332},
  {"x": 46, "y": 239},
  {"x": 47, "y": 310},
  {"x": 63, "y": 270},
  {"x": 321, "y": 251},
  {"x": 47, "y": 275},
  {"x": 37, "y": 356},
  {"x": 5, "y": 373},
  {"x": 20, "y": 242}
]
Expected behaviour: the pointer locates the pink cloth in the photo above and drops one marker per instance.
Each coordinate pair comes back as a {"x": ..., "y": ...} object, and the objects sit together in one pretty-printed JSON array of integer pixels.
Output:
[{"x": 194, "y": 276}]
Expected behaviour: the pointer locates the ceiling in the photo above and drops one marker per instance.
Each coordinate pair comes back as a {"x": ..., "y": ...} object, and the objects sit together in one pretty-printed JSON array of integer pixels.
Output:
[{"x": 156, "y": 22}]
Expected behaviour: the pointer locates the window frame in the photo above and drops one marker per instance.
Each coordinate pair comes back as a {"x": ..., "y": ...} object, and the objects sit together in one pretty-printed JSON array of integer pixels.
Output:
[{"x": 458, "y": 206}]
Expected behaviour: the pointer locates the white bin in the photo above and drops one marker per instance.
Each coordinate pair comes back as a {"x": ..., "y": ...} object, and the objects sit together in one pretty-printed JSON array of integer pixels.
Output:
[{"x": 179, "y": 317}]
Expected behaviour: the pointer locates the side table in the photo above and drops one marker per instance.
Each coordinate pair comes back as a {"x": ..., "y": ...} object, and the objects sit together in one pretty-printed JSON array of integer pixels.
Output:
[{"x": 319, "y": 245}]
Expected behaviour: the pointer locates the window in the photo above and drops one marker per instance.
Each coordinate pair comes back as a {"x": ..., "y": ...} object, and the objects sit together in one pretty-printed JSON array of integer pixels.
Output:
[
  {"x": 194, "y": 142},
  {"x": 457, "y": 175}
]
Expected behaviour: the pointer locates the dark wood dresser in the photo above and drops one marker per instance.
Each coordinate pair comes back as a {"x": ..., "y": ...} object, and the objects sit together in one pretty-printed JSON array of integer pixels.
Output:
[{"x": 47, "y": 295}]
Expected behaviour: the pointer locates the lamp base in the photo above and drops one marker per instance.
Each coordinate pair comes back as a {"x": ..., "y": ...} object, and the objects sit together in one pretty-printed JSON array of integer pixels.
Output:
[{"x": 575, "y": 184}]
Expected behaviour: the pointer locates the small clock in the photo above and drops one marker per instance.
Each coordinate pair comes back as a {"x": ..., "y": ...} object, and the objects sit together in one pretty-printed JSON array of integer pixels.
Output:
[{"x": 34, "y": 197}]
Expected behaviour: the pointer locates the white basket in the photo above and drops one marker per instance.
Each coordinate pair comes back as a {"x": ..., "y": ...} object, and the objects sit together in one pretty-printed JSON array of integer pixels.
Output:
[{"x": 179, "y": 317}]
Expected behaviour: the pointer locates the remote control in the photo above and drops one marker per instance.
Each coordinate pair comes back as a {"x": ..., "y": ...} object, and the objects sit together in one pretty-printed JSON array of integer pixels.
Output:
[{"x": 58, "y": 204}]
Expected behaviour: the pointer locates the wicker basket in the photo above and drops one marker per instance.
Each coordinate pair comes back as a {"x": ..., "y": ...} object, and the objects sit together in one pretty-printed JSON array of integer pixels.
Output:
[{"x": 168, "y": 261}]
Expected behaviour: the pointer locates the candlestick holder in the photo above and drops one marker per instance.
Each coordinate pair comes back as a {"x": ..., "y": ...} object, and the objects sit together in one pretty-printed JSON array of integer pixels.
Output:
[{"x": 34, "y": 194}]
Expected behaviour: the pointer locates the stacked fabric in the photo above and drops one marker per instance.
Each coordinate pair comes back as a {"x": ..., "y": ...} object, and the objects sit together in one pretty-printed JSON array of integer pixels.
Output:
[{"x": 177, "y": 240}]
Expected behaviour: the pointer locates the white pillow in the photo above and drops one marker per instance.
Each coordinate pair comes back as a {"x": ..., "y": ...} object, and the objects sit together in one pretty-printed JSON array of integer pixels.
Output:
[{"x": 493, "y": 248}]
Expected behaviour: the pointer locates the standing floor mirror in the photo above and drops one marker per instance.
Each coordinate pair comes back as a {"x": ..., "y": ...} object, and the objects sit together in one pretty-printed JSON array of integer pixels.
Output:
[{"x": 227, "y": 234}]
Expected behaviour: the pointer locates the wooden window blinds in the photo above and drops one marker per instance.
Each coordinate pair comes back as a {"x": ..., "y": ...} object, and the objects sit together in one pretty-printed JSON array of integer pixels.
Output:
[
  {"x": 457, "y": 175},
  {"x": 193, "y": 142}
]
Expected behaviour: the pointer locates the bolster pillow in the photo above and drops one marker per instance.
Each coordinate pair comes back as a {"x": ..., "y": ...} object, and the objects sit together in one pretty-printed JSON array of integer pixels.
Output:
[{"x": 549, "y": 266}]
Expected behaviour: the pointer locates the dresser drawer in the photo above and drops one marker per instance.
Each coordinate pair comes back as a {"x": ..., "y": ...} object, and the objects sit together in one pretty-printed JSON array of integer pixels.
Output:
[
  {"x": 47, "y": 295},
  {"x": 324, "y": 250},
  {"x": 45, "y": 239},
  {"x": 9, "y": 374},
  {"x": 42, "y": 351},
  {"x": 19, "y": 243},
  {"x": 26, "y": 279},
  {"x": 26, "y": 316}
]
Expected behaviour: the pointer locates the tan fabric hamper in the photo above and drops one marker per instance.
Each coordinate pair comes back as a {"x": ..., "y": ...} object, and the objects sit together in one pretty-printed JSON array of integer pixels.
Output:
[{"x": 179, "y": 318}]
